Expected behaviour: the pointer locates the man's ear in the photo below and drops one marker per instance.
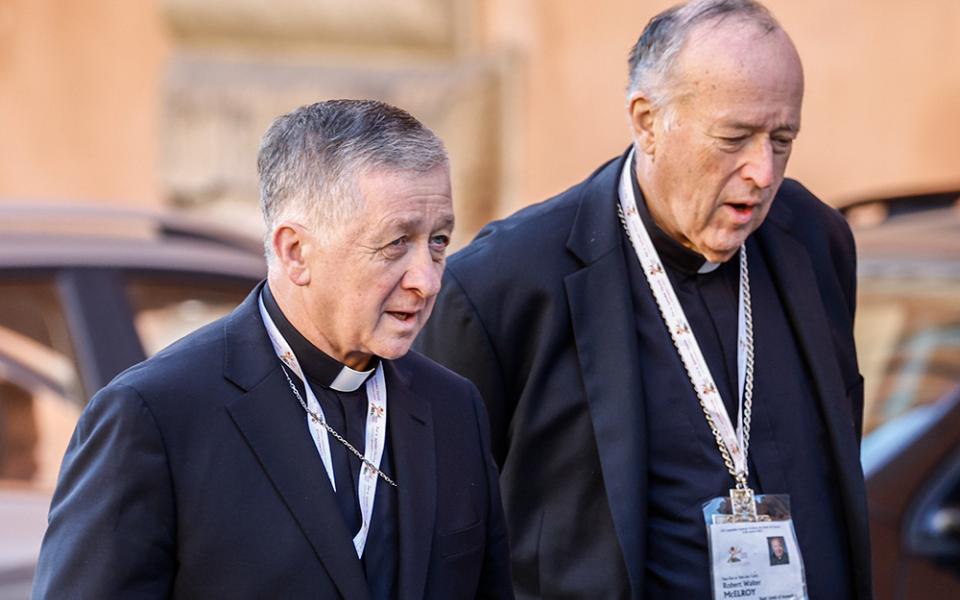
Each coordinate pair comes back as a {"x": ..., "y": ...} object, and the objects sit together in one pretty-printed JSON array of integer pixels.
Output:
[
  {"x": 642, "y": 113},
  {"x": 291, "y": 245}
]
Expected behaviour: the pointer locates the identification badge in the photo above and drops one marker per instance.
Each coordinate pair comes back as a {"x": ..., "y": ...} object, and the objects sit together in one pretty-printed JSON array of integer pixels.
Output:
[{"x": 753, "y": 548}]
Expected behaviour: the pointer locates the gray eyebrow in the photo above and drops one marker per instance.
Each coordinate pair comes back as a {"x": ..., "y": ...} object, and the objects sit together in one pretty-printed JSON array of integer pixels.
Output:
[
  {"x": 403, "y": 223},
  {"x": 751, "y": 126}
]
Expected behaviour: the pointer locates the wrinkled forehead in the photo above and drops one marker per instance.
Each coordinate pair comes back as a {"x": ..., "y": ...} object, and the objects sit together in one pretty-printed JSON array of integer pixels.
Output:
[{"x": 393, "y": 195}]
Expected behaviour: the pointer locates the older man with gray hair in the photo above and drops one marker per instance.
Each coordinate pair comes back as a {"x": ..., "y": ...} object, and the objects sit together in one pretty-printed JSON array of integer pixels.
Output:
[
  {"x": 295, "y": 449},
  {"x": 666, "y": 349}
]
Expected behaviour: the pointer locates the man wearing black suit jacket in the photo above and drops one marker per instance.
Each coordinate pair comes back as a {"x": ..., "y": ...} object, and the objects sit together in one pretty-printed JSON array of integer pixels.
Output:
[
  {"x": 295, "y": 449},
  {"x": 598, "y": 424}
]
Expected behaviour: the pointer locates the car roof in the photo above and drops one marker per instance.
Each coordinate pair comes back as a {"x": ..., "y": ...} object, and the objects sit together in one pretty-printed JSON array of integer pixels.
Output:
[
  {"x": 908, "y": 236},
  {"x": 57, "y": 236}
]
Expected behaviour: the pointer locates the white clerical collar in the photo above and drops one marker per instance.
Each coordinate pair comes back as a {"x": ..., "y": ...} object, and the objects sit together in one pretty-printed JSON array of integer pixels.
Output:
[
  {"x": 349, "y": 380},
  {"x": 708, "y": 267}
]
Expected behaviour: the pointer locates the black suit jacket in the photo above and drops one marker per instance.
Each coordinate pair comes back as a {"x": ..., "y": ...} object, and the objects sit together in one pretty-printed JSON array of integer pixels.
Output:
[
  {"x": 193, "y": 475},
  {"x": 537, "y": 312}
]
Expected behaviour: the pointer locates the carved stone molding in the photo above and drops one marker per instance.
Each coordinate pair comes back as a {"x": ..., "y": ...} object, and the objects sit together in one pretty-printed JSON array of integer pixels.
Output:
[
  {"x": 216, "y": 109},
  {"x": 363, "y": 22}
]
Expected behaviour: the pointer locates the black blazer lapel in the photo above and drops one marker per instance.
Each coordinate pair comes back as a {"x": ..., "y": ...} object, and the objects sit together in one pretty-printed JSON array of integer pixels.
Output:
[
  {"x": 794, "y": 276},
  {"x": 274, "y": 426},
  {"x": 601, "y": 312},
  {"x": 412, "y": 442}
]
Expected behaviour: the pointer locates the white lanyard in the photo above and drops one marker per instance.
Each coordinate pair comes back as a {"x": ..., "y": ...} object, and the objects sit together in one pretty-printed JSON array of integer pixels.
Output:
[
  {"x": 375, "y": 434},
  {"x": 735, "y": 443}
]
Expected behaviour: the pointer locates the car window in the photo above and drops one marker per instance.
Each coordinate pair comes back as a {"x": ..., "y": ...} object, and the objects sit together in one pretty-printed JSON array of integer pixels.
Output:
[
  {"x": 40, "y": 391},
  {"x": 41, "y": 394},
  {"x": 908, "y": 338},
  {"x": 167, "y": 309}
]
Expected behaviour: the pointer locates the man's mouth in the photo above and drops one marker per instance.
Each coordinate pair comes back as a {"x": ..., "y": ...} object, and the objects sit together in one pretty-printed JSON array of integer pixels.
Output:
[
  {"x": 742, "y": 211},
  {"x": 401, "y": 315}
]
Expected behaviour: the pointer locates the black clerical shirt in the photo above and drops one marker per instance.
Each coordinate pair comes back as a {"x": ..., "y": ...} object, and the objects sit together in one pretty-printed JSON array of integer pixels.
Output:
[
  {"x": 788, "y": 453},
  {"x": 346, "y": 412}
]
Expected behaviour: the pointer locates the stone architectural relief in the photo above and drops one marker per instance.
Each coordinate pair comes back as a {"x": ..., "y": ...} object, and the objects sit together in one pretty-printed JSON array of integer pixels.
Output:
[{"x": 219, "y": 97}]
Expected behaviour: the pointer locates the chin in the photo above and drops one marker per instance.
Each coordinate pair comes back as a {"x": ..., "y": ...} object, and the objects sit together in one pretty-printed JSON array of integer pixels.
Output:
[
  {"x": 724, "y": 249},
  {"x": 720, "y": 256},
  {"x": 394, "y": 351}
]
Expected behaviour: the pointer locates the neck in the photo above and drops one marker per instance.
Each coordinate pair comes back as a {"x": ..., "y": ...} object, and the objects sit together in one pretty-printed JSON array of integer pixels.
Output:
[
  {"x": 659, "y": 212},
  {"x": 292, "y": 302},
  {"x": 650, "y": 193}
]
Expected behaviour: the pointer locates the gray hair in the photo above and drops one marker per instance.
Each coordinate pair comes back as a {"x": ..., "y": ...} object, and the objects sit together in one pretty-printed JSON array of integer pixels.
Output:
[
  {"x": 310, "y": 159},
  {"x": 653, "y": 56}
]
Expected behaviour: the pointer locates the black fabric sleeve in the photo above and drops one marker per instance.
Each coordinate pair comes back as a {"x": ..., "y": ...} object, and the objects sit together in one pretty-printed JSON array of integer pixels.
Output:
[
  {"x": 495, "y": 579},
  {"x": 456, "y": 337},
  {"x": 111, "y": 531}
]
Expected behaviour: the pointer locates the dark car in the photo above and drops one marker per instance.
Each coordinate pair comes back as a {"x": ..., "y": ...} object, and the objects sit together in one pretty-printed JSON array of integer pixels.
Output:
[
  {"x": 908, "y": 340},
  {"x": 84, "y": 293}
]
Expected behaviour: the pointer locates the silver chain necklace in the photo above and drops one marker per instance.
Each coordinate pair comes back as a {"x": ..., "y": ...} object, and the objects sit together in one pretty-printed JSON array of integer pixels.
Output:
[
  {"x": 741, "y": 479},
  {"x": 318, "y": 419}
]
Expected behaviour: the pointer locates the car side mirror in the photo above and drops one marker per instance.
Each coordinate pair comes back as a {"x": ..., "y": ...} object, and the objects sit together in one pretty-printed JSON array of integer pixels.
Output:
[
  {"x": 945, "y": 522},
  {"x": 932, "y": 529}
]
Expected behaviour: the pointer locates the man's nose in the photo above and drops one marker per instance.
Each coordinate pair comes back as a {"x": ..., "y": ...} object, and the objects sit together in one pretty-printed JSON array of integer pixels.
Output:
[
  {"x": 423, "y": 274},
  {"x": 759, "y": 166}
]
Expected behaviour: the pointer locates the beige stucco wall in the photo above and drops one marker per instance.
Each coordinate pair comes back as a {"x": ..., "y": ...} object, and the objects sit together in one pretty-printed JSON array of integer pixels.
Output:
[
  {"x": 881, "y": 112},
  {"x": 161, "y": 101},
  {"x": 79, "y": 83},
  {"x": 882, "y": 108}
]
